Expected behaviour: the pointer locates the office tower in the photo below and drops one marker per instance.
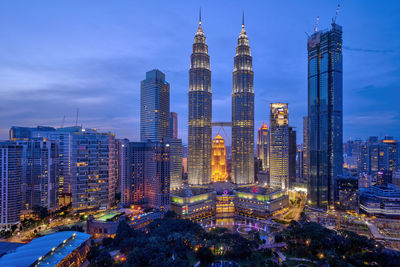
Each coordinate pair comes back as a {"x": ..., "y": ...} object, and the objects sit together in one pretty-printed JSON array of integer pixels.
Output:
[
  {"x": 243, "y": 113},
  {"x": 218, "y": 161},
  {"x": 373, "y": 154},
  {"x": 364, "y": 158},
  {"x": 173, "y": 125},
  {"x": 292, "y": 155},
  {"x": 175, "y": 148},
  {"x": 200, "y": 112},
  {"x": 150, "y": 180},
  {"x": 39, "y": 173},
  {"x": 263, "y": 146},
  {"x": 299, "y": 162},
  {"x": 10, "y": 184},
  {"x": 389, "y": 148},
  {"x": 279, "y": 145},
  {"x": 306, "y": 157},
  {"x": 154, "y": 107},
  {"x": 384, "y": 177},
  {"x": 124, "y": 173},
  {"x": 325, "y": 115}
]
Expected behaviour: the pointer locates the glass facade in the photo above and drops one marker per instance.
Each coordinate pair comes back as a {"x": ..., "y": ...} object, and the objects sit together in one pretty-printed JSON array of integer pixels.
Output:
[
  {"x": 200, "y": 112},
  {"x": 325, "y": 115},
  {"x": 243, "y": 113},
  {"x": 154, "y": 107}
]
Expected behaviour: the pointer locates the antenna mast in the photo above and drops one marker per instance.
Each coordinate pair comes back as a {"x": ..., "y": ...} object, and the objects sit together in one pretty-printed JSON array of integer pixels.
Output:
[{"x": 77, "y": 116}]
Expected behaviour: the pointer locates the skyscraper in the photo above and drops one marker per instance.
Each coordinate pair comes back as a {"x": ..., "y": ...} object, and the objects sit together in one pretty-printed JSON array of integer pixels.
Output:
[
  {"x": 200, "y": 112},
  {"x": 279, "y": 145},
  {"x": 173, "y": 125},
  {"x": 218, "y": 162},
  {"x": 325, "y": 115},
  {"x": 175, "y": 162},
  {"x": 39, "y": 173},
  {"x": 305, "y": 148},
  {"x": 10, "y": 184},
  {"x": 243, "y": 113},
  {"x": 124, "y": 171},
  {"x": 154, "y": 107},
  {"x": 263, "y": 146},
  {"x": 149, "y": 183},
  {"x": 292, "y": 156}
]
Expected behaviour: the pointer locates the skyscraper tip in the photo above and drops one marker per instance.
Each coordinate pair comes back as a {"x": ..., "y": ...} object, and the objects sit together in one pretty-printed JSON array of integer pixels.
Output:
[
  {"x": 243, "y": 19},
  {"x": 200, "y": 16}
]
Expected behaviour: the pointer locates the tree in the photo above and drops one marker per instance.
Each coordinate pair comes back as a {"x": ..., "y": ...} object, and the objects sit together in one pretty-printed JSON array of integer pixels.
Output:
[{"x": 205, "y": 256}]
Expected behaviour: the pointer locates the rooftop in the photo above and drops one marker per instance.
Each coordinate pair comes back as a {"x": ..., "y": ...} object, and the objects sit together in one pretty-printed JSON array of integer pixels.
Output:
[{"x": 48, "y": 250}]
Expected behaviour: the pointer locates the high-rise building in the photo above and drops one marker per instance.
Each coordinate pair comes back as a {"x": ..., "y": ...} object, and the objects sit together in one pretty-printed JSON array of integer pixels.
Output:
[
  {"x": 150, "y": 181},
  {"x": 243, "y": 113},
  {"x": 263, "y": 146},
  {"x": 200, "y": 112},
  {"x": 325, "y": 115},
  {"x": 279, "y": 145},
  {"x": 175, "y": 151},
  {"x": 86, "y": 161},
  {"x": 124, "y": 172},
  {"x": 306, "y": 157},
  {"x": 218, "y": 161},
  {"x": 39, "y": 173},
  {"x": 173, "y": 125},
  {"x": 154, "y": 107},
  {"x": 299, "y": 162},
  {"x": 292, "y": 156},
  {"x": 10, "y": 184}
]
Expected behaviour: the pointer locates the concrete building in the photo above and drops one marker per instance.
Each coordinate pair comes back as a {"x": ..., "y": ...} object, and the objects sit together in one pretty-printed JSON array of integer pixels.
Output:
[{"x": 10, "y": 184}]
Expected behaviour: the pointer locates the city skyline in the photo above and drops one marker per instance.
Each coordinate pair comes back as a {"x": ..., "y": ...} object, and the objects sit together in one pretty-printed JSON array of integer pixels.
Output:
[{"x": 103, "y": 81}]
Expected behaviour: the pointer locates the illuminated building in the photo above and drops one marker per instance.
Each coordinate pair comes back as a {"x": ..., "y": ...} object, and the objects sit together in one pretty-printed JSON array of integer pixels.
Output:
[
  {"x": 279, "y": 145},
  {"x": 175, "y": 161},
  {"x": 39, "y": 173},
  {"x": 154, "y": 107},
  {"x": 200, "y": 112},
  {"x": 243, "y": 113},
  {"x": 263, "y": 146},
  {"x": 124, "y": 174},
  {"x": 66, "y": 248},
  {"x": 380, "y": 200},
  {"x": 299, "y": 162},
  {"x": 195, "y": 204},
  {"x": 305, "y": 149},
  {"x": 325, "y": 115},
  {"x": 150, "y": 181},
  {"x": 10, "y": 184},
  {"x": 87, "y": 175},
  {"x": 259, "y": 202},
  {"x": 173, "y": 125},
  {"x": 292, "y": 156},
  {"x": 218, "y": 161}
]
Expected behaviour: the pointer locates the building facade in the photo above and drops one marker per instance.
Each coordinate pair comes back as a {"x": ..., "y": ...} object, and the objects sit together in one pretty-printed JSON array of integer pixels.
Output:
[
  {"x": 263, "y": 146},
  {"x": 218, "y": 160},
  {"x": 325, "y": 115},
  {"x": 292, "y": 156},
  {"x": 279, "y": 145},
  {"x": 243, "y": 113},
  {"x": 200, "y": 112},
  {"x": 305, "y": 148},
  {"x": 10, "y": 184},
  {"x": 173, "y": 125},
  {"x": 154, "y": 107}
]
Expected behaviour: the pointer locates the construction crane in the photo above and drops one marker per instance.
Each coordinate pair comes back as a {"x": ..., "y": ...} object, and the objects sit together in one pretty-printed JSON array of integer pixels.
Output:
[
  {"x": 316, "y": 24},
  {"x": 337, "y": 12}
]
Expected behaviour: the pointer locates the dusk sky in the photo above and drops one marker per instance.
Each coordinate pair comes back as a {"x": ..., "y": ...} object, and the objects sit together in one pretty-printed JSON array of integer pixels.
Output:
[{"x": 57, "y": 56}]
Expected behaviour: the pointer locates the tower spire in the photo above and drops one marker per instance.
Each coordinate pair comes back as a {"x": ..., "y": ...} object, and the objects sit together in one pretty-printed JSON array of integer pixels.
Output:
[
  {"x": 200, "y": 16},
  {"x": 243, "y": 19}
]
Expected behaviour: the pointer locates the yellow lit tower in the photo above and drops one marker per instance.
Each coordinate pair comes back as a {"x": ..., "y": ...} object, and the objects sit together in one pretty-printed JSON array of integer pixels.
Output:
[{"x": 218, "y": 160}]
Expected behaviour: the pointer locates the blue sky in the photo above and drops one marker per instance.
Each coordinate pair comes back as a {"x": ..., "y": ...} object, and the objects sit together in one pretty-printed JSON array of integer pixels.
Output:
[{"x": 57, "y": 56}]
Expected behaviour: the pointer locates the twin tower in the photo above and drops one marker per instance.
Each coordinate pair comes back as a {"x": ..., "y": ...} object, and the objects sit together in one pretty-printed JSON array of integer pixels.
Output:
[{"x": 200, "y": 112}]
